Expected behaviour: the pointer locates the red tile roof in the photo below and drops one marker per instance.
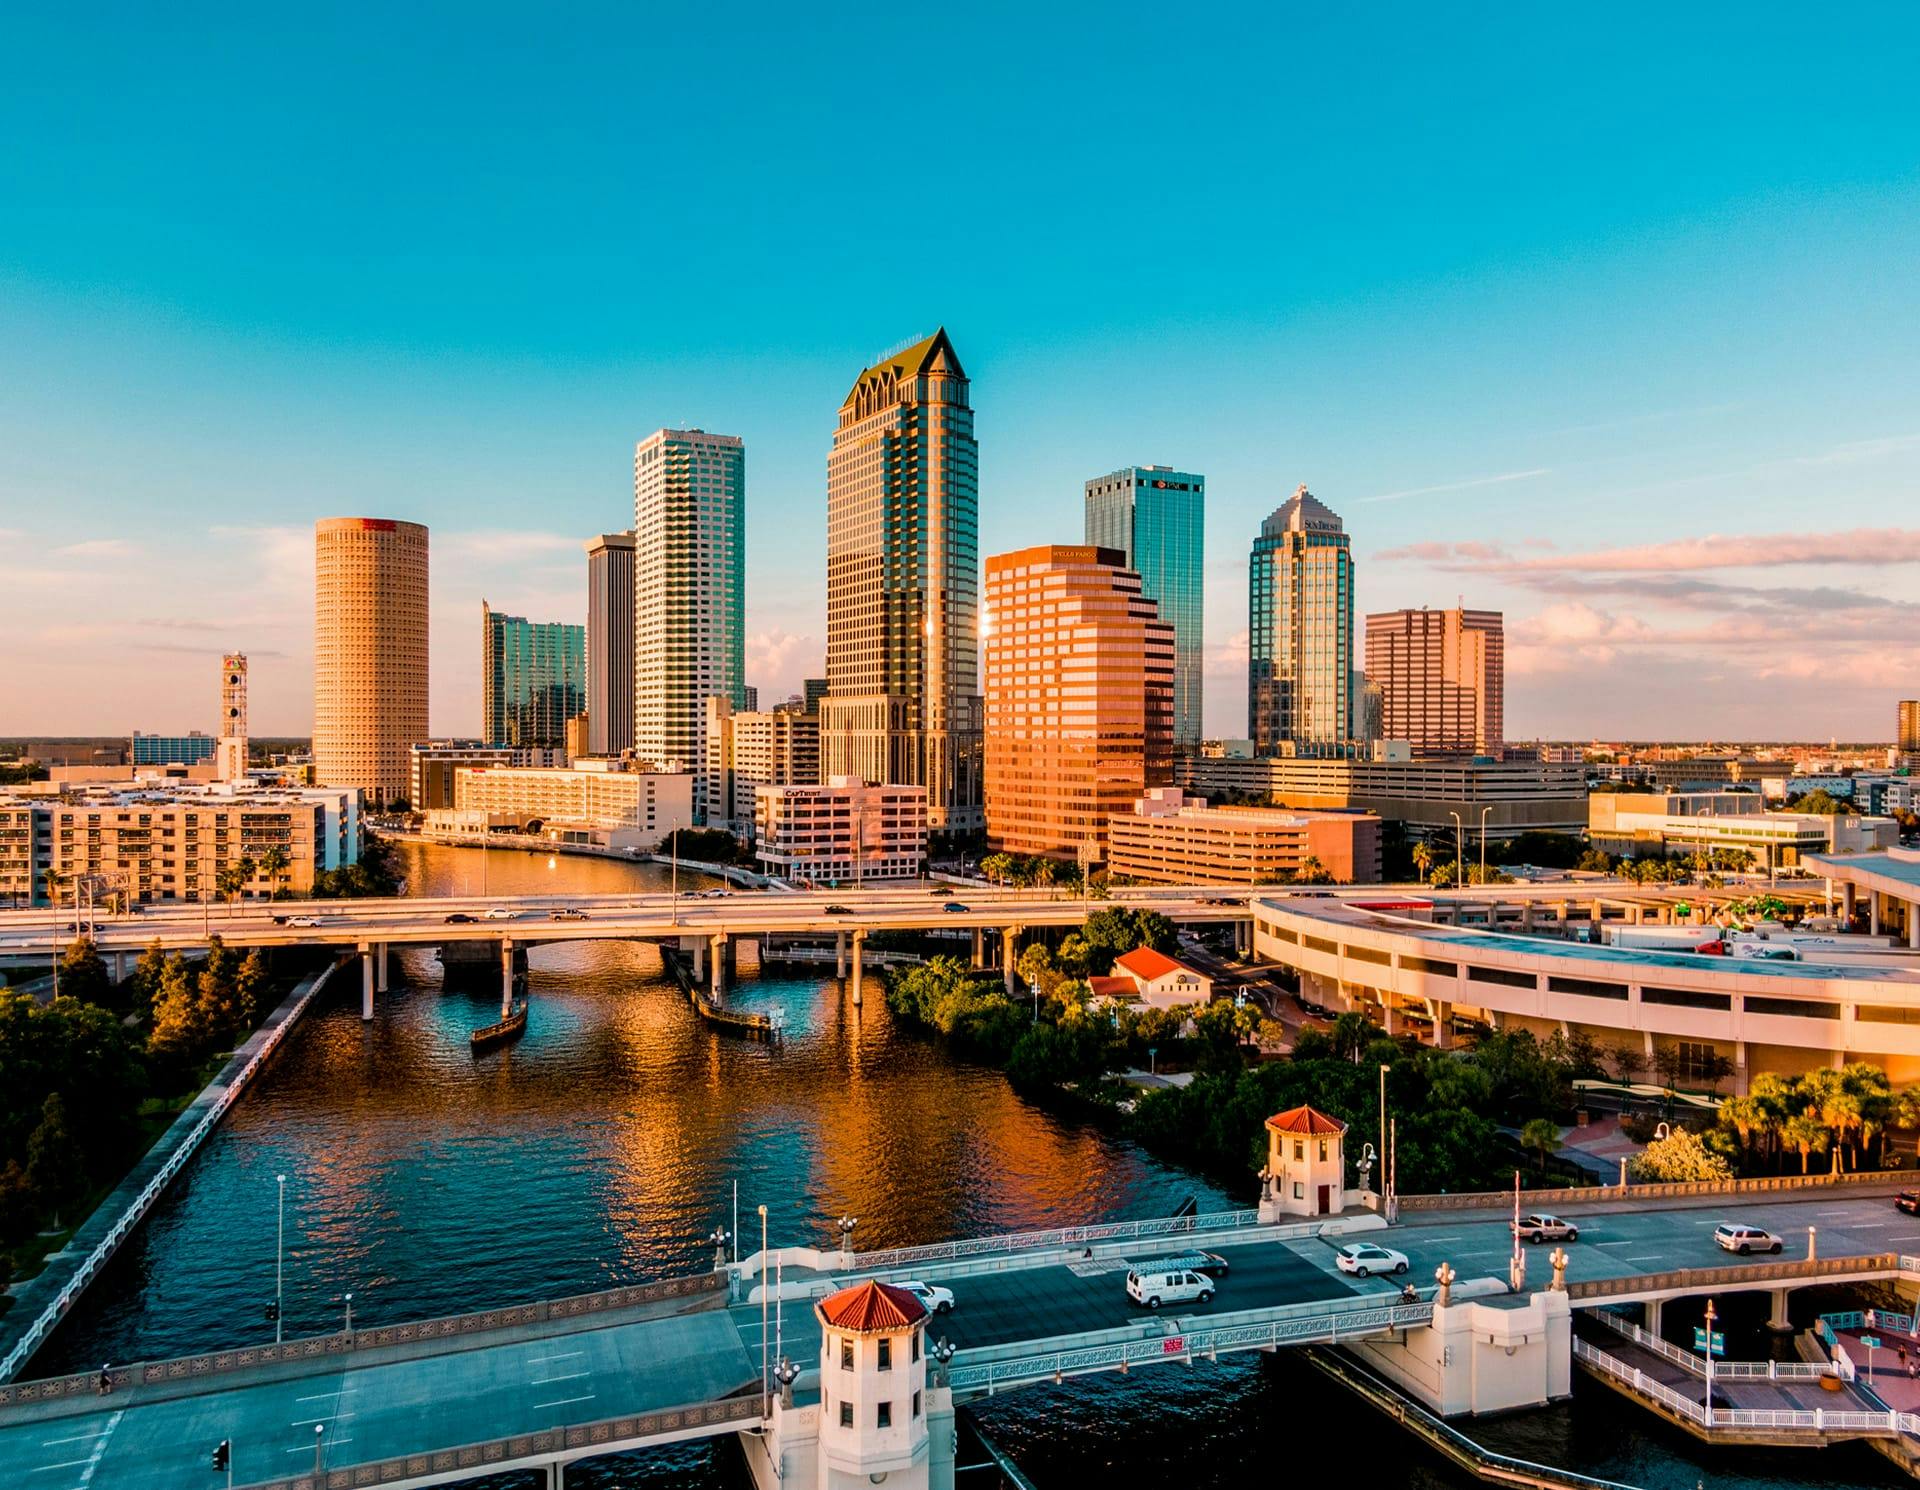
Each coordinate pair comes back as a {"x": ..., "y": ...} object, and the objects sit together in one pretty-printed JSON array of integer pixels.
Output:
[
  {"x": 1144, "y": 962},
  {"x": 869, "y": 1307},
  {"x": 1307, "y": 1121},
  {"x": 1114, "y": 988}
]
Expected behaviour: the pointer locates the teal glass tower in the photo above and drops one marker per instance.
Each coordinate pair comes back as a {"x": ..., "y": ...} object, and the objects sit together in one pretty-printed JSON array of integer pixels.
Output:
[
  {"x": 533, "y": 679},
  {"x": 1157, "y": 517},
  {"x": 1300, "y": 630}
]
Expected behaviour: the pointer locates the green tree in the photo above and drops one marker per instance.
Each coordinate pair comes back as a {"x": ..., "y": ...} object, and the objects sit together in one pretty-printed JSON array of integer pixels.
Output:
[
  {"x": 1806, "y": 1135},
  {"x": 1542, "y": 1137},
  {"x": 182, "y": 1030},
  {"x": 56, "y": 1165},
  {"x": 274, "y": 864},
  {"x": 1679, "y": 1158},
  {"x": 83, "y": 975},
  {"x": 146, "y": 979}
]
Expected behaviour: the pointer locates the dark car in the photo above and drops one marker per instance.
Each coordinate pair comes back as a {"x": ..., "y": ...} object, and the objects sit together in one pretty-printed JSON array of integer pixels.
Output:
[
  {"x": 459, "y": 918},
  {"x": 839, "y": 910},
  {"x": 1908, "y": 1201},
  {"x": 954, "y": 905}
]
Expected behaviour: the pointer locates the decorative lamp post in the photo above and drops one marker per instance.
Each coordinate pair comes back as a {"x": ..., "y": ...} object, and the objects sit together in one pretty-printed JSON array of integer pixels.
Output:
[
  {"x": 718, "y": 1240},
  {"x": 942, "y": 1353},
  {"x": 786, "y": 1373},
  {"x": 1559, "y": 1261},
  {"x": 846, "y": 1225},
  {"x": 1444, "y": 1276}
]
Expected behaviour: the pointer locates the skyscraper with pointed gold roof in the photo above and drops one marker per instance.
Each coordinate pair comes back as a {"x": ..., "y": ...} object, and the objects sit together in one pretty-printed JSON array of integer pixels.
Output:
[{"x": 903, "y": 584}]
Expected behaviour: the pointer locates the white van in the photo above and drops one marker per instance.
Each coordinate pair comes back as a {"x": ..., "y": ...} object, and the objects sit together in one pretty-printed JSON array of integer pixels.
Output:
[{"x": 1157, "y": 1283}]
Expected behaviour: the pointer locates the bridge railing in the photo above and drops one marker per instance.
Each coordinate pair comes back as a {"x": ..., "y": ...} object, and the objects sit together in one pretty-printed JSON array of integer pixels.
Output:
[
  {"x": 317, "y": 1347},
  {"x": 1818, "y": 1420},
  {"x": 1632, "y": 1194},
  {"x": 36, "y": 1333},
  {"x": 1689, "y": 1279},
  {"x": 1330, "y": 1325},
  {"x": 1066, "y": 1236},
  {"x": 1722, "y": 1370},
  {"x": 606, "y": 1436}
]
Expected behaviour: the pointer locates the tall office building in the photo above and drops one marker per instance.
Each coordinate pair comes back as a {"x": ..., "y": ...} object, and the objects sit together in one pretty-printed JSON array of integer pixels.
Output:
[
  {"x": 813, "y": 690},
  {"x": 903, "y": 584},
  {"x": 1157, "y": 518},
  {"x": 1907, "y": 732},
  {"x": 1079, "y": 696},
  {"x": 610, "y": 644},
  {"x": 533, "y": 679},
  {"x": 689, "y": 592},
  {"x": 233, "y": 717},
  {"x": 1300, "y": 630},
  {"x": 369, "y": 653},
  {"x": 1442, "y": 678}
]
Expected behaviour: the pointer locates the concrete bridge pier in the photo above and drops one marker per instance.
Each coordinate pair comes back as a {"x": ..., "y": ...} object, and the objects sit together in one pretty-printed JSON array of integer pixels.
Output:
[
  {"x": 119, "y": 966},
  {"x": 719, "y": 966},
  {"x": 506, "y": 976},
  {"x": 380, "y": 969},
  {"x": 699, "y": 950},
  {"x": 366, "y": 981},
  {"x": 853, "y": 980},
  {"x": 1009, "y": 949},
  {"x": 1777, "y": 1318},
  {"x": 1653, "y": 1310},
  {"x": 979, "y": 947},
  {"x": 556, "y": 1476},
  {"x": 840, "y": 954}
]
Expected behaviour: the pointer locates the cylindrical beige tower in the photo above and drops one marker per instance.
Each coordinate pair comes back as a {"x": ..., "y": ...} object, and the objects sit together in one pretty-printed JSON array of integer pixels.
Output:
[{"x": 369, "y": 653}]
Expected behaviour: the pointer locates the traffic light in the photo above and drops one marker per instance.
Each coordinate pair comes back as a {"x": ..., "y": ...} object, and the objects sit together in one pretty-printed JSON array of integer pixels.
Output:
[
  {"x": 273, "y": 1313},
  {"x": 223, "y": 1453}
]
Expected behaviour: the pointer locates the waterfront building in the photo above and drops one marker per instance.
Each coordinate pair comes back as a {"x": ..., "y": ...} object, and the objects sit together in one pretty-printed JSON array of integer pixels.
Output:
[
  {"x": 232, "y": 755},
  {"x": 610, "y": 644},
  {"x": 1655, "y": 824},
  {"x": 689, "y": 591},
  {"x": 1442, "y": 678},
  {"x": 1079, "y": 698},
  {"x": 903, "y": 584},
  {"x": 1518, "y": 796},
  {"x": 1300, "y": 629},
  {"x": 157, "y": 839},
  {"x": 171, "y": 750},
  {"x": 602, "y": 803},
  {"x": 842, "y": 831},
  {"x": 1157, "y": 518},
  {"x": 1907, "y": 727},
  {"x": 1154, "y": 980},
  {"x": 746, "y": 751},
  {"x": 369, "y": 654},
  {"x": 1170, "y": 838},
  {"x": 533, "y": 679},
  {"x": 430, "y": 766}
]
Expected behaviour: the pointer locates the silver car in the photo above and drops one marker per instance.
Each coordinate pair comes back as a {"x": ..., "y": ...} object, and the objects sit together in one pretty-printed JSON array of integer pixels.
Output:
[{"x": 1540, "y": 1227}]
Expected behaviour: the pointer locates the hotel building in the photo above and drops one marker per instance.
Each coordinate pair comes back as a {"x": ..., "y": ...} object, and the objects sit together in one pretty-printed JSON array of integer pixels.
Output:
[
  {"x": 1170, "y": 838},
  {"x": 1442, "y": 679},
  {"x": 689, "y": 592},
  {"x": 1079, "y": 695},
  {"x": 602, "y": 803},
  {"x": 533, "y": 679},
  {"x": 844, "y": 831},
  {"x": 369, "y": 653},
  {"x": 1157, "y": 518},
  {"x": 610, "y": 644},
  {"x": 903, "y": 584},
  {"x": 1300, "y": 629}
]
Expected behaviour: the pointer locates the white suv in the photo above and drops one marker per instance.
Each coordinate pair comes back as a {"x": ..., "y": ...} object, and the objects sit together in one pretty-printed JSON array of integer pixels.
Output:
[
  {"x": 937, "y": 1300},
  {"x": 1745, "y": 1239}
]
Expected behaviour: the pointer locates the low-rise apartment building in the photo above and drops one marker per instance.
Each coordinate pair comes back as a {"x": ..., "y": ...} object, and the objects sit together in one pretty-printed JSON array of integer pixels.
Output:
[
  {"x": 1171, "y": 838},
  {"x": 844, "y": 831},
  {"x": 603, "y": 803},
  {"x": 752, "y": 749}
]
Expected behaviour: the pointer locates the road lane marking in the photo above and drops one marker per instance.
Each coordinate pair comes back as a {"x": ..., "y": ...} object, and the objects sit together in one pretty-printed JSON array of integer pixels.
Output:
[
  {"x": 1645, "y": 1257},
  {"x": 99, "y": 1448},
  {"x": 322, "y": 1396},
  {"x": 563, "y": 1355},
  {"x": 336, "y": 1417},
  {"x": 307, "y": 1448},
  {"x": 64, "y": 1464},
  {"x": 548, "y": 1381},
  {"x": 47, "y": 1443},
  {"x": 564, "y": 1401}
]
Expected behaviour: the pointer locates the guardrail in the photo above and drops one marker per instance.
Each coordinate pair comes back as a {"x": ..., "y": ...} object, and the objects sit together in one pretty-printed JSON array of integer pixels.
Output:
[
  {"x": 1329, "y": 1325},
  {"x": 1574, "y": 1195},
  {"x": 1066, "y": 1236},
  {"x": 607, "y": 1436},
  {"x": 1691, "y": 1279},
  {"x": 1883, "y": 1319},
  {"x": 36, "y": 1333},
  {"x": 318, "y": 1347},
  {"x": 1722, "y": 1370},
  {"x": 1817, "y": 1420}
]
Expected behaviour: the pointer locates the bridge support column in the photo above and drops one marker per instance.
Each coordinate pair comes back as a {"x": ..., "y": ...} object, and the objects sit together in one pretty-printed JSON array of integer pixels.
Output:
[
  {"x": 1442, "y": 1025},
  {"x": 979, "y": 947},
  {"x": 1655, "y": 1308},
  {"x": 506, "y": 977},
  {"x": 366, "y": 981},
  {"x": 853, "y": 980},
  {"x": 840, "y": 954},
  {"x": 380, "y": 969},
  {"x": 719, "y": 966},
  {"x": 699, "y": 959},
  {"x": 1009, "y": 946},
  {"x": 1777, "y": 1319},
  {"x": 1389, "y": 1014},
  {"x": 556, "y": 1476}
]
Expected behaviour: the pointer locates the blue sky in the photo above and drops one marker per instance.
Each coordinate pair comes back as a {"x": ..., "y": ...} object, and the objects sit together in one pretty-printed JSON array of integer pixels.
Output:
[{"x": 1610, "y": 322}]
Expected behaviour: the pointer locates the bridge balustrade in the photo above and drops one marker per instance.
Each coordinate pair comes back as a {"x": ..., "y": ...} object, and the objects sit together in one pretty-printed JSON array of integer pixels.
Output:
[
  {"x": 1066, "y": 1236},
  {"x": 1813, "y": 1421},
  {"x": 1733, "y": 1275}
]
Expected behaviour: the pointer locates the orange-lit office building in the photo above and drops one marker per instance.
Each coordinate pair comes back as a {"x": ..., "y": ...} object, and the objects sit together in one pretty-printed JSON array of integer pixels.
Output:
[{"x": 1079, "y": 697}]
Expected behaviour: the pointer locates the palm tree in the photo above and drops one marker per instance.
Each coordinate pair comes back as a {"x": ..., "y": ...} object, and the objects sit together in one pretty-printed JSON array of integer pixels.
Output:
[
  {"x": 274, "y": 864},
  {"x": 1806, "y": 1135},
  {"x": 1422, "y": 860},
  {"x": 1747, "y": 1116},
  {"x": 1542, "y": 1135}
]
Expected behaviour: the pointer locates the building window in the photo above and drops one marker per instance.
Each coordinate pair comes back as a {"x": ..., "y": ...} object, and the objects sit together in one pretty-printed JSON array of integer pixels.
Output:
[
  {"x": 1299, "y": 1151},
  {"x": 916, "y": 1404},
  {"x": 916, "y": 1347},
  {"x": 1299, "y": 1191},
  {"x": 886, "y": 1355},
  {"x": 1323, "y": 1151},
  {"x": 885, "y": 1415},
  {"x": 846, "y": 1414},
  {"x": 846, "y": 1355}
]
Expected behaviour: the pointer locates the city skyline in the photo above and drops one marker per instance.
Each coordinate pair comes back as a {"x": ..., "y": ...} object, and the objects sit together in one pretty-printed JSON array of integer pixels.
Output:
[{"x": 1582, "y": 394}]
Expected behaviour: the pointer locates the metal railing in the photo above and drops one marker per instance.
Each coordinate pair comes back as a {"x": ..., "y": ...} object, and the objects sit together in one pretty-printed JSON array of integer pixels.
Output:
[
  {"x": 36, "y": 1333},
  {"x": 1818, "y": 1420},
  {"x": 1727, "y": 1370},
  {"x": 606, "y": 1436},
  {"x": 1066, "y": 1236},
  {"x": 320, "y": 1347},
  {"x": 1330, "y": 1325},
  {"x": 1766, "y": 1185},
  {"x": 1732, "y": 1276}
]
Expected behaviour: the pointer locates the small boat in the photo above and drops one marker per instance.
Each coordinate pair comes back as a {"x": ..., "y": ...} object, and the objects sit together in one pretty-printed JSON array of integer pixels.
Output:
[{"x": 510, "y": 1028}]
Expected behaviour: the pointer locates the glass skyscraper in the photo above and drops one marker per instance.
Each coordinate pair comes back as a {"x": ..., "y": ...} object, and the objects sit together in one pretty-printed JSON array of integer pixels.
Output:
[
  {"x": 1300, "y": 629},
  {"x": 1157, "y": 517},
  {"x": 533, "y": 679}
]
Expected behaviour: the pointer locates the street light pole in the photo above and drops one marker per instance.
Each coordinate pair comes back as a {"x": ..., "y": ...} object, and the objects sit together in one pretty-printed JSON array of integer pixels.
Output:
[
  {"x": 279, "y": 1262},
  {"x": 1709, "y": 1422},
  {"x": 1383, "y": 1136},
  {"x": 1483, "y": 843},
  {"x": 762, "y": 1270},
  {"x": 1459, "y": 850}
]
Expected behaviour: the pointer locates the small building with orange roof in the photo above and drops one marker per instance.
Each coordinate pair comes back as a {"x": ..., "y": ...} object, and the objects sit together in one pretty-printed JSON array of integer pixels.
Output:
[
  {"x": 1306, "y": 1173},
  {"x": 873, "y": 1384}
]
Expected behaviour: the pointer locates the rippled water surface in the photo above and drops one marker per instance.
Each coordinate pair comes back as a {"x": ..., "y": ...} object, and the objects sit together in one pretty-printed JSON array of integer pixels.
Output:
[{"x": 603, "y": 1147}]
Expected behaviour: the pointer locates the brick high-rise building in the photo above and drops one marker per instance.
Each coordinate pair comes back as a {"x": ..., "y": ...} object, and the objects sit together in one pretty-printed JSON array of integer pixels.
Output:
[
  {"x": 1079, "y": 694},
  {"x": 1442, "y": 679},
  {"x": 610, "y": 644},
  {"x": 369, "y": 653},
  {"x": 903, "y": 584},
  {"x": 689, "y": 592}
]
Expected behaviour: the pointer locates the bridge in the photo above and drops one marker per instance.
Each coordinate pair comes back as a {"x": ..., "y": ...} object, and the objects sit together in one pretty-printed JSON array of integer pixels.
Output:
[{"x": 544, "y": 1384}]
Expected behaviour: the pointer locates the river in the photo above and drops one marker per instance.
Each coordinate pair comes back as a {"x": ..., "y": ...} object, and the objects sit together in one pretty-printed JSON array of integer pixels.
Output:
[{"x": 603, "y": 1148}]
